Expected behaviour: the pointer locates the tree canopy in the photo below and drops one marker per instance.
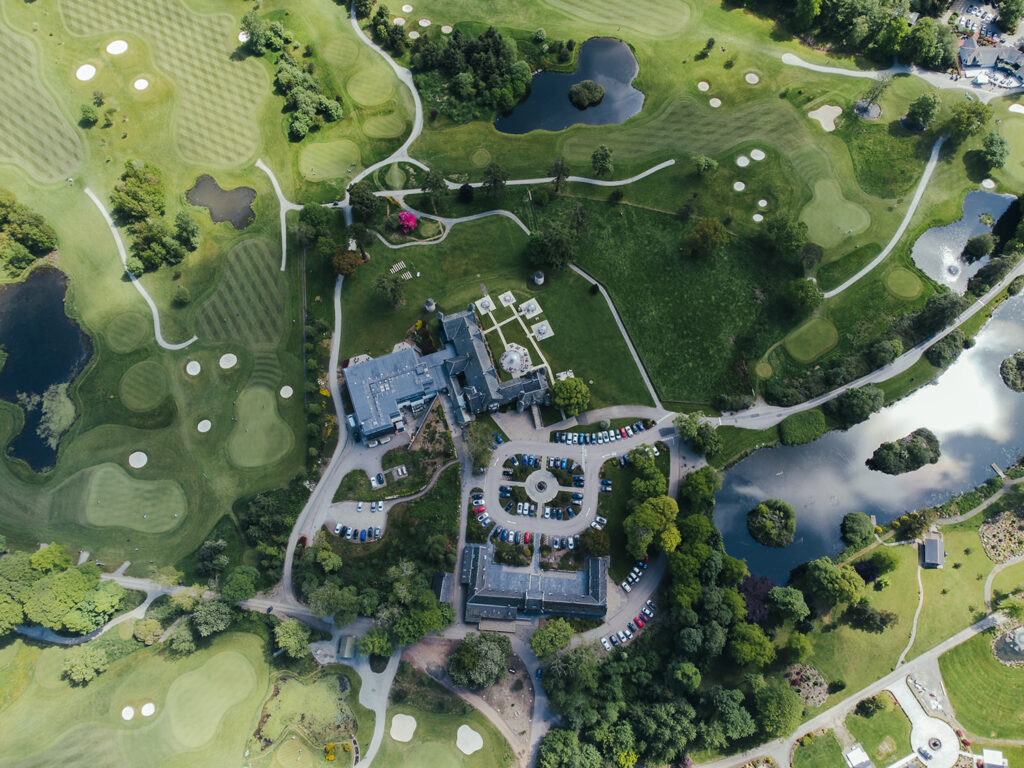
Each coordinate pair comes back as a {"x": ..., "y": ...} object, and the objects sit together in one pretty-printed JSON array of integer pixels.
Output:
[
  {"x": 548, "y": 640},
  {"x": 572, "y": 395},
  {"x": 772, "y": 523},
  {"x": 479, "y": 660},
  {"x": 1012, "y": 371},
  {"x": 907, "y": 454}
]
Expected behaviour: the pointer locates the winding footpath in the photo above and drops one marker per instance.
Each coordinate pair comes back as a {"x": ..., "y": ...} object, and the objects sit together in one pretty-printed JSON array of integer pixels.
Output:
[
  {"x": 917, "y": 615},
  {"x": 284, "y": 205},
  {"x": 134, "y": 280}
]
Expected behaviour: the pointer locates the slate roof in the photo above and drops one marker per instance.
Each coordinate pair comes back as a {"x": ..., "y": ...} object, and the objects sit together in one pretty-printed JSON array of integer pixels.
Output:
[{"x": 934, "y": 550}]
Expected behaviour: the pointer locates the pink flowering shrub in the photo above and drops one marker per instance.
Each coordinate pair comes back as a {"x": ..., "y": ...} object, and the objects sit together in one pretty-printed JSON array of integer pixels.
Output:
[{"x": 406, "y": 222}]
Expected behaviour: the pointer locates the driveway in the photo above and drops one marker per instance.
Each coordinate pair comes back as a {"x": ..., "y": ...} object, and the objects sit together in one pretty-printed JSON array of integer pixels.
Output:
[{"x": 927, "y": 731}]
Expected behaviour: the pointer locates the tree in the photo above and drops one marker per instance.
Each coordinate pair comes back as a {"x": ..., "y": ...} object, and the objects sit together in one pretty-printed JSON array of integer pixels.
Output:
[
  {"x": 749, "y": 645},
  {"x": 376, "y": 643},
  {"x": 51, "y": 559},
  {"x": 181, "y": 640},
  {"x": 211, "y": 617},
  {"x": 494, "y": 180},
  {"x": 772, "y": 523},
  {"x": 978, "y": 247},
  {"x": 885, "y": 560},
  {"x": 578, "y": 218},
  {"x": 705, "y": 164},
  {"x": 601, "y": 161},
  {"x": 363, "y": 7},
  {"x": 995, "y": 147},
  {"x": 1012, "y": 371},
  {"x": 466, "y": 193},
  {"x": 559, "y": 170},
  {"x": 347, "y": 262},
  {"x": 293, "y": 637},
  {"x": 785, "y": 237},
  {"x": 885, "y": 351},
  {"x": 182, "y": 296},
  {"x": 240, "y": 584},
  {"x": 389, "y": 288},
  {"x": 167, "y": 576},
  {"x": 778, "y": 709},
  {"x": 789, "y": 603},
  {"x": 147, "y": 631},
  {"x": 831, "y": 584},
  {"x": 434, "y": 187},
  {"x": 804, "y": 14},
  {"x": 596, "y": 543},
  {"x": 698, "y": 489},
  {"x": 479, "y": 660},
  {"x": 90, "y": 116},
  {"x": 1012, "y": 608},
  {"x": 797, "y": 648},
  {"x": 555, "y": 635},
  {"x": 586, "y": 93},
  {"x": 923, "y": 110},
  {"x": 139, "y": 194},
  {"x": 134, "y": 266},
  {"x": 1010, "y": 13},
  {"x": 185, "y": 600},
  {"x": 857, "y": 529},
  {"x": 82, "y": 663},
  {"x": 257, "y": 32},
  {"x": 365, "y": 204},
  {"x": 647, "y": 523},
  {"x": 969, "y": 117},
  {"x": 186, "y": 231},
  {"x": 571, "y": 395},
  {"x": 707, "y": 441},
  {"x": 707, "y": 237},
  {"x": 553, "y": 247},
  {"x": 561, "y": 748},
  {"x": 855, "y": 405}
]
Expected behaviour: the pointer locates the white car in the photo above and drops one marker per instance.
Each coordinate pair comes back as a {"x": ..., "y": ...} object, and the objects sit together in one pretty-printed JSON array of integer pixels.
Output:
[
  {"x": 337, "y": 529},
  {"x": 601, "y": 520},
  {"x": 359, "y": 506},
  {"x": 606, "y": 644},
  {"x": 519, "y": 507},
  {"x": 626, "y": 587}
]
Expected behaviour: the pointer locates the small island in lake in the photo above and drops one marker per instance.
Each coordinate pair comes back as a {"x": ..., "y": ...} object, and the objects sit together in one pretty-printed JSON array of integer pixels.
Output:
[
  {"x": 586, "y": 93},
  {"x": 772, "y": 523},
  {"x": 912, "y": 452},
  {"x": 1012, "y": 371}
]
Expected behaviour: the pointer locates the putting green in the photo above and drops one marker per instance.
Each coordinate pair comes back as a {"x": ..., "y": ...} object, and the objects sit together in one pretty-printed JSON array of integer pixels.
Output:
[
  {"x": 107, "y": 496},
  {"x": 811, "y": 340},
  {"x": 370, "y": 87},
  {"x": 260, "y": 436},
  {"x": 480, "y": 157},
  {"x": 126, "y": 332},
  {"x": 328, "y": 159},
  {"x": 763, "y": 370},
  {"x": 293, "y": 752},
  {"x": 395, "y": 177},
  {"x": 384, "y": 126},
  {"x": 903, "y": 284},
  {"x": 830, "y": 217},
  {"x": 143, "y": 386},
  {"x": 198, "y": 700}
]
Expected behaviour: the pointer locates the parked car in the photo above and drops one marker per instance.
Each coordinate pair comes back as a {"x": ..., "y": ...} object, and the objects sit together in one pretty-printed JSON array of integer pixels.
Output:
[
  {"x": 555, "y": 543},
  {"x": 526, "y": 537},
  {"x": 625, "y": 586},
  {"x": 577, "y": 497},
  {"x": 595, "y": 525},
  {"x": 350, "y": 533},
  {"x": 606, "y": 644},
  {"x": 498, "y": 439},
  {"x": 337, "y": 529},
  {"x": 362, "y": 535},
  {"x": 571, "y": 542},
  {"x": 376, "y": 532},
  {"x": 628, "y": 632},
  {"x": 614, "y": 639},
  {"x": 504, "y": 535},
  {"x": 359, "y": 506},
  {"x": 639, "y": 620},
  {"x": 621, "y": 635},
  {"x": 601, "y": 520}
]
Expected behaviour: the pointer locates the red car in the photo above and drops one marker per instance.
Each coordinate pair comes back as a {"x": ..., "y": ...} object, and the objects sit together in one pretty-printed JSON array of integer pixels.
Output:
[
  {"x": 639, "y": 621},
  {"x": 478, "y": 510},
  {"x": 527, "y": 537},
  {"x": 622, "y": 431}
]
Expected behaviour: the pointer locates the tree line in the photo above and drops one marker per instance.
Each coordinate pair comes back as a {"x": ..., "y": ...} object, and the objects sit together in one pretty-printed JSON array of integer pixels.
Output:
[{"x": 24, "y": 234}]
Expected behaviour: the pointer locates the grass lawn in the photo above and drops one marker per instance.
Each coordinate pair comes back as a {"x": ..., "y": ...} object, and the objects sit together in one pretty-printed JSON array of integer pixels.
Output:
[
  {"x": 856, "y": 657},
  {"x": 885, "y": 735},
  {"x": 1008, "y": 581},
  {"x": 206, "y": 705},
  {"x": 903, "y": 283},
  {"x": 812, "y": 339},
  {"x": 823, "y": 751},
  {"x": 737, "y": 442},
  {"x": 985, "y": 693}
]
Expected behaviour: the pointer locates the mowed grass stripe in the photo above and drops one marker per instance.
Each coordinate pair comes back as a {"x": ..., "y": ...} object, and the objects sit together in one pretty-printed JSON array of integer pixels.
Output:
[
  {"x": 266, "y": 371},
  {"x": 34, "y": 134},
  {"x": 218, "y": 97},
  {"x": 249, "y": 301}
]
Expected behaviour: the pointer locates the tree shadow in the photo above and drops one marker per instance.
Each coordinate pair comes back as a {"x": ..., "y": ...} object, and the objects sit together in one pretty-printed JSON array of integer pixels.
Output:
[{"x": 975, "y": 166}]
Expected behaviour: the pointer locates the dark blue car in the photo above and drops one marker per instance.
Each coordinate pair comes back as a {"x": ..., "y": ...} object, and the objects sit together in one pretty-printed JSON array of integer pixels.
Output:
[{"x": 362, "y": 535}]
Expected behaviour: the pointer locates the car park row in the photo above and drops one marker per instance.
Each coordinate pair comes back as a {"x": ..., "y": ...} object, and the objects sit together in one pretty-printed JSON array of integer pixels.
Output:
[
  {"x": 357, "y": 534},
  {"x": 625, "y": 634},
  {"x": 599, "y": 438}
]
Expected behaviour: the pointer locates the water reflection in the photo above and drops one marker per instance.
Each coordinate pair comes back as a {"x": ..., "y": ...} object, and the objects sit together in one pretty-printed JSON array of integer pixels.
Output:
[{"x": 975, "y": 416}]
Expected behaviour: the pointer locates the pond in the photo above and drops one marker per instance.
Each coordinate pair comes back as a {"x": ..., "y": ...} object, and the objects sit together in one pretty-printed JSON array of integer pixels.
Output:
[
  {"x": 977, "y": 419},
  {"x": 234, "y": 205},
  {"x": 605, "y": 60},
  {"x": 45, "y": 348},
  {"x": 937, "y": 251}
]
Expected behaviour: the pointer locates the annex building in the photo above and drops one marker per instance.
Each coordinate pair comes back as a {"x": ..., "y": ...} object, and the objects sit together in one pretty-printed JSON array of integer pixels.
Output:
[
  {"x": 504, "y": 593},
  {"x": 463, "y": 369}
]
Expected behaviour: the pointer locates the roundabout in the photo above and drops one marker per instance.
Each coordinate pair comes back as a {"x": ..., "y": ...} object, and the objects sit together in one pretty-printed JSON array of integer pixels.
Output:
[{"x": 541, "y": 486}]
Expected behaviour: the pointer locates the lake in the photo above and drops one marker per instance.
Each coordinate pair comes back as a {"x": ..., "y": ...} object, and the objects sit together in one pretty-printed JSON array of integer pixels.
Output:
[
  {"x": 604, "y": 60},
  {"x": 977, "y": 419},
  {"x": 937, "y": 251},
  {"x": 44, "y": 347}
]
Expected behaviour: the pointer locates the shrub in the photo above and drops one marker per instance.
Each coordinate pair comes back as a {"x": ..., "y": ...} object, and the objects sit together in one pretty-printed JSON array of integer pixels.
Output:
[
  {"x": 803, "y": 427},
  {"x": 1012, "y": 371},
  {"x": 182, "y": 296},
  {"x": 772, "y": 523}
]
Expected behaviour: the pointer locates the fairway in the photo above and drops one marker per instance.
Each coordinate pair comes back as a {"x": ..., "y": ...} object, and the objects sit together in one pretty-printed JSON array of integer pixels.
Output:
[
  {"x": 260, "y": 436},
  {"x": 217, "y": 97},
  {"x": 126, "y": 332},
  {"x": 811, "y": 340},
  {"x": 143, "y": 386},
  {"x": 830, "y": 217},
  {"x": 107, "y": 496},
  {"x": 371, "y": 86},
  {"x": 387, "y": 126},
  {"x": 328, "y": 159},
  {"x": 986, "y": 694},
  {"x": 248, "y": 304},
  {"x": 198, "y": 700},
  {"x": 903, "y": 284}
]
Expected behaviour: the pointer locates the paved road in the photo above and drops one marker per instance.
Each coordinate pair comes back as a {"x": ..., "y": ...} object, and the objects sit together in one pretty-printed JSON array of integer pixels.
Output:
[
  {"x": 447, "y": 223},
  {"x": 134, "y": 280},
  {"x": 911, "y": 209},
  {"x": 373, "y": 694}
]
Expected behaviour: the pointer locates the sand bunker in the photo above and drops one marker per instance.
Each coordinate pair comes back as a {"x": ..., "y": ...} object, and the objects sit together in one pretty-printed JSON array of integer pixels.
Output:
[
  {"x": 468, "y": 741},
  {"x": 1018, "y": 108},
  {"x": 127, "y": 713},
  {"x": 757, "y": 154},
  {"x": 193, "y": 368},
  {"x": 243, "y": 36},
  {"x": 203, "y": 426},
  {"x": 406, "y": 8},
  {"x": 716, "y": 103},
  {"x": 424, "y": 22},
  {"x": 988, "y": 184},
  {"x": 826, "y": 115},
  {"x": 742, "y": 161},
  {"x": 739, "y": 186},
  {"x": 286, "y": 392},
  {"x": 751, "y": 78},
  {"x": 414, "y": 35},
  {"x": 762, "y": 203},
  {"x": 403, "y": 727},
  {"x": 138, "y": 460},
  {"x": 148, "y": 709},
  {"x": 117, "y": 47},
  {"x": 446, "y": 29},
  {"x": 141, "y": 84},
  {"x": 758, "y": 217},
  {"x": 228, "y": 360},
  {"x": 85, "y": 72},
  {"x": 703, "y": 86},
  {"x": 399, "y": 21}
]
